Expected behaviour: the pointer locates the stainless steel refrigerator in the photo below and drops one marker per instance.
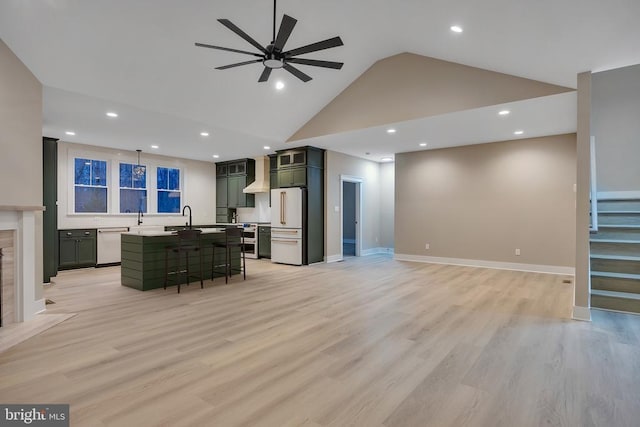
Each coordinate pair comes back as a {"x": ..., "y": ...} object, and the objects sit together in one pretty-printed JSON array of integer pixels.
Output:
[{"x": 288, "y": 225}]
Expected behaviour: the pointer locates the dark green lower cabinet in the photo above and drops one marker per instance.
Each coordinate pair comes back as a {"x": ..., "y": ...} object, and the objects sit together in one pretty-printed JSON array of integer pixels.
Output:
[{"x": 77, "y": 248}]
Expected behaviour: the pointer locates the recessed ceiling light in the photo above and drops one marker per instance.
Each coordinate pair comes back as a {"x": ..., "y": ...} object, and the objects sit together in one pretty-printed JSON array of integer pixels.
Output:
[
  {"x": 504, "y": 112},
  {"x": 391, "y": 130},
  {"x": 215, "y": 156},
  {"x": 423, "y": 144},
  {"x": 69, "y": 132},
  {"x": 386, "y": 159},
  {"x": 112, "y": 114},
  {"x": 266, "y": 147},
  {"x": 518, "y": 132},
  {"x": 155, "y": 147},
  {"x": 456, "y": 28},
  {"x": 279, "y": 85},
  {"x": 204, "y": 133}
]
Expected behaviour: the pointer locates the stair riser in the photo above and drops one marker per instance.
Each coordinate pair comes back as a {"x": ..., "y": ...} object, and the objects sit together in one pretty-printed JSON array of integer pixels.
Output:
[
  {"x": 618, "y": 219},
  {"x": 615, "y": 266},
  {"x": 619, "y": 205},
  {"x": 613, "y": 303},
  {"x": 615, "y": 284},
  {"x": 618, "y": 233},
  {"x": 615, "y": 248}
]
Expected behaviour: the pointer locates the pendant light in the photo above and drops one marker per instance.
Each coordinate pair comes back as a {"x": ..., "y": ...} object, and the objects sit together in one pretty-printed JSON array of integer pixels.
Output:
[{"x": 138, "y": 169}]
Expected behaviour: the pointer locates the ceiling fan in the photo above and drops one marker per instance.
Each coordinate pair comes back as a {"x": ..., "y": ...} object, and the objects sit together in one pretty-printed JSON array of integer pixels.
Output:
[{"x": 273, "y": 55}]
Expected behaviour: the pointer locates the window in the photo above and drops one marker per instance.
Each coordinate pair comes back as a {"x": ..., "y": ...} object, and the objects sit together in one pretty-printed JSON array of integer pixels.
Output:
[
  {"x": 168, "y": 190},
  {"x": 133, "y": 188},
  {"x": 90, "y": 186}
]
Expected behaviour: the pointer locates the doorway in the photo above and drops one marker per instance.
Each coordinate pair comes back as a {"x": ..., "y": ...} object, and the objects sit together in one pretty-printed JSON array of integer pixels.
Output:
[{"x": 351, "y": 213}]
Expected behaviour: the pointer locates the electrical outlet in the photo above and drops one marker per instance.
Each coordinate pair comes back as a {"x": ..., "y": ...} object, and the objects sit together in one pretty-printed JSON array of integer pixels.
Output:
[
  {"x": 427, "y": 246},
  {"x": 517, "y": 252}
]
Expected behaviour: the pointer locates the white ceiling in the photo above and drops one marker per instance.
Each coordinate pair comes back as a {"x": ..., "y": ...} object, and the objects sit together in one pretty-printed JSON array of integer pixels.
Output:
[{"x": 137, "y": 57}]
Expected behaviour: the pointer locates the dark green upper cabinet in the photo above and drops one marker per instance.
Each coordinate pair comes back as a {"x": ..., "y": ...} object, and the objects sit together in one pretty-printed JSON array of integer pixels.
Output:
[
  {"x": 303, "y": 156},
  {"x": 221, "y": 169},
  {"x": 221, "y": 192},
  {"x": 292, "y": 177},
  {"x": 231, "y": 178},
  {"x": 237, "y": 199}
]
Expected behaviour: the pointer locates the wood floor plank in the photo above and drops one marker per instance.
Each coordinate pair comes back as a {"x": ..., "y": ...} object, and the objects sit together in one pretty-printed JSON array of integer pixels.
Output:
[{"x": 365, "y": 342}]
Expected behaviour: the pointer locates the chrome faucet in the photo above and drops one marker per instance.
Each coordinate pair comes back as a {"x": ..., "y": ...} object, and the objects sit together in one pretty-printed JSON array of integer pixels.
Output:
[
  {"x": 140, "y": 215},
  {"x": 183, "y": 209}
]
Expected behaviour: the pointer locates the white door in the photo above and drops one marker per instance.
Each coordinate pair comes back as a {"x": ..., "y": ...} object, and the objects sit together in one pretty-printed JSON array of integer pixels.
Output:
[{"x": 286, "y": 207}]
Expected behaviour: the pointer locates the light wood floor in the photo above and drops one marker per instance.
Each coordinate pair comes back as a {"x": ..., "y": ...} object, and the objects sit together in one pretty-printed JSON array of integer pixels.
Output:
[{"x": 366, "y": 342}]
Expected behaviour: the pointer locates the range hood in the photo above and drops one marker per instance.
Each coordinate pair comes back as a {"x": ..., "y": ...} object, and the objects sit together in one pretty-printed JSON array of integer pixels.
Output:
[{"x": 261, "y": 184}]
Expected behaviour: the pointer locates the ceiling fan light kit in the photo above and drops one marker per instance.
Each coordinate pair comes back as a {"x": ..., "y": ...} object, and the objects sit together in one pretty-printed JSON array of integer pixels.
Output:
[{"x": 273, "y": 56}]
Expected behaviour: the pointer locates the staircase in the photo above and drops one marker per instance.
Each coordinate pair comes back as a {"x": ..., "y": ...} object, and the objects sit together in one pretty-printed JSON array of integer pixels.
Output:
[{"x": 615, "y": 256}]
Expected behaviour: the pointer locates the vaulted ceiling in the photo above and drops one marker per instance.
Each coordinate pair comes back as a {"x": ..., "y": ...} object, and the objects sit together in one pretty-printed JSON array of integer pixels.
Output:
[{"x": 138, "y": 57}]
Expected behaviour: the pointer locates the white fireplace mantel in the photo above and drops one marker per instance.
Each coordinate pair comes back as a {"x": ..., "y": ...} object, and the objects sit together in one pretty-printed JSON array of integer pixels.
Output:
[{"x": 22, "y": 220}]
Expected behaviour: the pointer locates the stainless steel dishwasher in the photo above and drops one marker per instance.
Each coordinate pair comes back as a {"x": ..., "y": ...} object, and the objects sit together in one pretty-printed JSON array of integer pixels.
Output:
[{"x": 109, "y": 245}]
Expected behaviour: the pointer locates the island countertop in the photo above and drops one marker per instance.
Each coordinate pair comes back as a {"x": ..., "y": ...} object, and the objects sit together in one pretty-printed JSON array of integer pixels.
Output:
[{"x": 170, "y": 233}]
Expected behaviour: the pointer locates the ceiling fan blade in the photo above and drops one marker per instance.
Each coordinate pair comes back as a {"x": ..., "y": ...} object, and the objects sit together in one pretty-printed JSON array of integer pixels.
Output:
[
  {"x": 224, "y": 67},
  {"x": 286, "y": 27},
  {"x": 314, "y": 47},
  {"x": 265, "y": 75},
  {"x": 299, "y": 74},
  {"x": 228, "y": 49},
  {"x": 230, "y": 25},
  {"x": 316, "y": 63}
]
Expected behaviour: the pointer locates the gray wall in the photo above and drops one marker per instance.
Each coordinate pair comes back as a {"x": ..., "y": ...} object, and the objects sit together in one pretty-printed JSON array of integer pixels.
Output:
[
  {"x": 337, "y": 164},
  {"x": 409, "y": 86},
  {"x": 20, "y": 132},
  {"x": 615, "y": 122},
  {"x": 481, "y": 202},
  {"x": 21, "y": 143}
]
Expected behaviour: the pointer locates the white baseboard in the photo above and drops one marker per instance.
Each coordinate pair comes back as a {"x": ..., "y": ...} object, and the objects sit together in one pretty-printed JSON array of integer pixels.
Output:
[
  {"x": 375, "y": 251},
  {"x": 581, "y": 313},
  {"x": 333, "y": 258},
  {"x": 550, "y": 269},
  {"x": 364, "y": 252},
  {"x": 618, "y": 195}
]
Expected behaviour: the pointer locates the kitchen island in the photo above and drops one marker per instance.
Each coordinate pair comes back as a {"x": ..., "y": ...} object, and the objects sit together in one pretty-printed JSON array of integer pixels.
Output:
[{"x": 143, "y": 257}]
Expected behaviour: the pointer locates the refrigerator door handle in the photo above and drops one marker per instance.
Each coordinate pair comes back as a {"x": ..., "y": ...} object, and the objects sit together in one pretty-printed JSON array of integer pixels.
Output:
[
  {"x": 288, "y": 241},
  {"x": 278, "y": 231},
  {"x": 283, "y": 207}
]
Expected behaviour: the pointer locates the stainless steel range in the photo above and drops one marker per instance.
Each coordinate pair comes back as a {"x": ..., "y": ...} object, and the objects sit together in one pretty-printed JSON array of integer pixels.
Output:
[{"x": 250, "y": 235}]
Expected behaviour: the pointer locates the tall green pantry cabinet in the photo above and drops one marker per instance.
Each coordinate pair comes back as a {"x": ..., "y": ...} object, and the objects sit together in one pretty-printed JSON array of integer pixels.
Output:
[{"x": 50, "y": 203}]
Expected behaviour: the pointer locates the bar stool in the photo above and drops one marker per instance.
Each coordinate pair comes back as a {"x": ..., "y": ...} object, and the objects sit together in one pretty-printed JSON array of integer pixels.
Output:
[
  {"x": 188, "y": 242},
  {"x": 233, "y": 238}
]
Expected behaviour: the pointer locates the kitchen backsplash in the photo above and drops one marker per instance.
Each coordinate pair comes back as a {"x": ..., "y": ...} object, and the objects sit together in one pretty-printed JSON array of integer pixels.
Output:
[{"x": 261, "y": 213}]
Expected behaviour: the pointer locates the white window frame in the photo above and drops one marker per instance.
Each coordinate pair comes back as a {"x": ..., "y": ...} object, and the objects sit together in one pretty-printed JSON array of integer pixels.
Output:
[{"x": 158, "y": 190}]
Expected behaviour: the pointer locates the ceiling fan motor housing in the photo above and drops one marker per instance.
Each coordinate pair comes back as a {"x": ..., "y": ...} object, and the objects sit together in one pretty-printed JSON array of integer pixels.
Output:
[{"x": 273, "y": 59}]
